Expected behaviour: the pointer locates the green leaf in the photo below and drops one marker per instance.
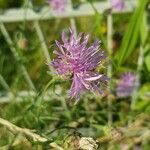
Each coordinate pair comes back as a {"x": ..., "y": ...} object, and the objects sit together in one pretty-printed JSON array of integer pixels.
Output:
[
  {"x": 147, "y": 62},
  {"x": 144, "y": 36},
  {"x": 131, "y": 36},
  {"x": 144, "y": 29}
]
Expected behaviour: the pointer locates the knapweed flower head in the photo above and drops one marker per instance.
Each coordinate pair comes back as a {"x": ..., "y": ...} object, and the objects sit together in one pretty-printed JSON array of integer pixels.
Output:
[
  {"x": 58, "y": 5},
  {"x": 126, "y": 85},
  {"x": 117, "y": 5},
  {"x": 78, "y": 62}
]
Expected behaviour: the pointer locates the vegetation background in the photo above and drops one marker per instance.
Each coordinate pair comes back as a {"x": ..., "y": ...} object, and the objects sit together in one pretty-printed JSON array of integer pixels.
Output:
[{"x": 116, "y": 123}]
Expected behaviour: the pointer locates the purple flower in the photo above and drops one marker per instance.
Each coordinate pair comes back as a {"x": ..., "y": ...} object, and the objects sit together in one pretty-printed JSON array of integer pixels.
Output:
[
  {"x": 117, "y": 5},
  {"x": 58, "y": 5},
  {"x": 77, "y": 61},
  {"x": 126, "y": 85}
]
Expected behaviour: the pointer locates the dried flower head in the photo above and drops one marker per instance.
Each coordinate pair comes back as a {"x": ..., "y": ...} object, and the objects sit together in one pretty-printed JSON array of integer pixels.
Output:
[
  {"x": 58, "y": 5},
  {"x": 88, "y": 143},
  {"x": 117, "y": 5},
  {"x": 77, "y": 61},
  {"x": 126, "y": 85}
]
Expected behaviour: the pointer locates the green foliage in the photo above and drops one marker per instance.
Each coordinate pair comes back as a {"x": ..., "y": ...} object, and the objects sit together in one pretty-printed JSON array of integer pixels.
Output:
[
  {"x": 9, "y": 4},
  {"x": 50, "y": 111},
  {"x": 132, "y": 34}
]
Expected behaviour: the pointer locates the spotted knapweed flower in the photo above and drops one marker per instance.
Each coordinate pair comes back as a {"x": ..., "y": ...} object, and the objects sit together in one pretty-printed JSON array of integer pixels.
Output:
[
  {"x": 58, "y": 5},
  {"x": 117, "y": 5},
  {"x": 126, "y": 85},
  {"x": 78, "y": 62}
]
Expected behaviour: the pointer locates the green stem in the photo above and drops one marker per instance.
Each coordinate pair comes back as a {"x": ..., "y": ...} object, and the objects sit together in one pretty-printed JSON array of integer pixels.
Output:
[
  {"x": 16, "y": 56},
  {"x": 4, "y": 83},
  {"x": 72, "y": 21},
  {"x": 109, "y": 69}
]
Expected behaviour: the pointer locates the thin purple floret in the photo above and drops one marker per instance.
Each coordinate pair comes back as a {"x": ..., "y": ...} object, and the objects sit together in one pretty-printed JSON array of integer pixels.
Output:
[{"x": 77, "y": 61}]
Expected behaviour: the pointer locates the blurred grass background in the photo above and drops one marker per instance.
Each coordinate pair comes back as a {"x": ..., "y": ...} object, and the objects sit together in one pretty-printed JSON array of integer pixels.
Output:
[{"x": 90, "y": 116}]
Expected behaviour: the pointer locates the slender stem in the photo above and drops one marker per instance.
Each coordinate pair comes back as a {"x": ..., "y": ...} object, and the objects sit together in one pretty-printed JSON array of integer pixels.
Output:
[
  {"x": 72, "y": 20},
  {"x": 43, "y": 42},
  {"x": 140, "y": 58},
  {"x": 6, "y": 86},
  {"x": 41, "y": 38},
  {"x": 4, "y": 83},
  {"x": 109, "y": 70},
  {"x": 139, "y": 68},
  {"x": 17, "y": 57}
]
